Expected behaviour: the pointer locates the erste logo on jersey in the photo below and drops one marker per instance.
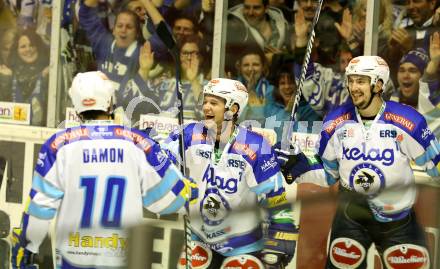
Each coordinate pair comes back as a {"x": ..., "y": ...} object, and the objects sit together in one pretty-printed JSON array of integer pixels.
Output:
[
  {"x": 213, "y": 208},
  {"x": 368, "y": 154},
  {"x": 366, "y": 178}
]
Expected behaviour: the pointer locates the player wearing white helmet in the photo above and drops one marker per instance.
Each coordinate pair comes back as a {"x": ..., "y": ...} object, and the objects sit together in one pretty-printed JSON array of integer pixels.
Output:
[
  {"x": 96, "y": 178},
  {"x": 237, "y": 171},
  {"x": 366, "y": 79},
  {"x": 367, "y": 146},
  {"x": 92, "y": 95}
]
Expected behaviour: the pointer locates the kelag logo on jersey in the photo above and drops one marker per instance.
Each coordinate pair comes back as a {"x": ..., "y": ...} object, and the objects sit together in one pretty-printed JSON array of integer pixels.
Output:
[
  {"x": 213, "y": 208},
  {"x": 228, "y": 185},
  {"x": 369, "y": 154},
  {"x": 367, "y": 179}
]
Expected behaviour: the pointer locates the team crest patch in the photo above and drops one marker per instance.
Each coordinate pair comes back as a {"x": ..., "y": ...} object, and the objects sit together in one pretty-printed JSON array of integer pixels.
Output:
[
  {"x": 366, "y": 178},
  {"x": 214, "y": 208}
]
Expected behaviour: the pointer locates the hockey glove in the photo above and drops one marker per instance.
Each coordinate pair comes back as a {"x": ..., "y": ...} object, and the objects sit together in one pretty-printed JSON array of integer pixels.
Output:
[
  {"x": 21, "y": 258},
  {"x": 292, "y": 161},
  {"x": 190, "y": 192},
  {"x": 279, "y": 246}
]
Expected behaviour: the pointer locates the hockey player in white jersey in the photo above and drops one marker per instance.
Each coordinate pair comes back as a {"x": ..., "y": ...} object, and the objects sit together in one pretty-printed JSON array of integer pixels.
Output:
[
  {"x": 368, "y": 146},
  {"x": 97, "y": 178},
  {"x": 238, "y": 172}
]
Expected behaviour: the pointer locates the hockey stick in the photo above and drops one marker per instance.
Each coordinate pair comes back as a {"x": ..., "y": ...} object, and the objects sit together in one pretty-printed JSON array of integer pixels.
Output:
[
  {"x": 167, "y": 38},
  {"x": 286, "y": 140}
]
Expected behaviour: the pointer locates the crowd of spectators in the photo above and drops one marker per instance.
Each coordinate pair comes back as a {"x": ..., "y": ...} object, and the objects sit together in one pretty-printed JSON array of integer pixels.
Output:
[{"x": 265, "y": 47}]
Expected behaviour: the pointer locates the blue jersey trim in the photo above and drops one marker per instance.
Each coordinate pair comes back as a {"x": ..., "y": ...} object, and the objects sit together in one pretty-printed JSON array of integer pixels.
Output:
[
  {"x": 335, "y": 120},
  {"x": 333, "y": 165},
  {"x": 43, "y": 186},
  {"x": 391, "y": 217},
  {"x": 254, "y": 247},
  {"x": 433, "y": 172},
  {"x": 40, "y": 212},
  {"x": 329, "y": 178},
  {"x": 407, "y": 119},
  {"x": 174, "y": 206},
  {"x": 162, "y": 188},
  {"x": 268, "y": 185},
  {"x": 431, "y": 152}
]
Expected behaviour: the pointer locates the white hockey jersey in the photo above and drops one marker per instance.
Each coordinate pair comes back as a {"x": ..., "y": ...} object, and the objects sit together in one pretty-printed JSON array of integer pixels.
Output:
[
  {"x": 375, "y": 160},
  {"x": 97, "y": 179},
  {"x": 226, "y": 216}
]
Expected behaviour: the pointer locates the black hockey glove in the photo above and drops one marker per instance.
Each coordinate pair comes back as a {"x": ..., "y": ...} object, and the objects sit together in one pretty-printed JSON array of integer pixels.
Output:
[
  {"x": 292, "y": 161},
  {"x": 279, "y": 247}
]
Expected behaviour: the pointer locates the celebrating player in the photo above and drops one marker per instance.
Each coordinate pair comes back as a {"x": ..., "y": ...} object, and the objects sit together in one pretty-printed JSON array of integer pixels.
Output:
[
  {"x": 96, "y": 178},
  {"x": 368, "y": 146},
  {"x": 238, "y": 171}
]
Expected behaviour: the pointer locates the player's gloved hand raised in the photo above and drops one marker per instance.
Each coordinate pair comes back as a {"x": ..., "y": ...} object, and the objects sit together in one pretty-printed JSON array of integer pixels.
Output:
[
  {"x": 292, "y": 161},
  {"x": 279, "y": 247},
  {"x": 21, "y": 258}
]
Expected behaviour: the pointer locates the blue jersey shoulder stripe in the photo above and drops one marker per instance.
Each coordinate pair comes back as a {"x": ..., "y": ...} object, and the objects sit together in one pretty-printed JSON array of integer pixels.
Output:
[
  {"x": 334, "y": 120},
  {"x": 45, "y": 187},
  {"x": 162, "y": 188},
  {"x": 409, "y": 120},
  {"x": 194, "y": 133},
  {"x": 257, "y": 151},
  {"x": 41, "y": 212},
  {"x": 158, "y": 159},
  {"x": 249, "y": 145}
]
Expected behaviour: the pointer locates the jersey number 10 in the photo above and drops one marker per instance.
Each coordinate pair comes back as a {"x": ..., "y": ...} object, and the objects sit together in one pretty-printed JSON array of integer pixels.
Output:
[{"x": 113, "y": 199}]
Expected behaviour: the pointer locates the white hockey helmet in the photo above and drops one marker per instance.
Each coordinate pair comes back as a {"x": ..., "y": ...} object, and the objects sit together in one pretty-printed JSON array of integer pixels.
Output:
[
  {"x": 91, "y": 91},
  {"x": 372, "y": 66},
  {"x": 233, "y": 91}
]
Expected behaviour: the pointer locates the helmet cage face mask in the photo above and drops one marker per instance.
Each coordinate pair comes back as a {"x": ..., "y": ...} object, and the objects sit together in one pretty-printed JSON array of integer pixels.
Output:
[
  {"x": 372, "y": 66},
  {"x": 232, "y": 91}
]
